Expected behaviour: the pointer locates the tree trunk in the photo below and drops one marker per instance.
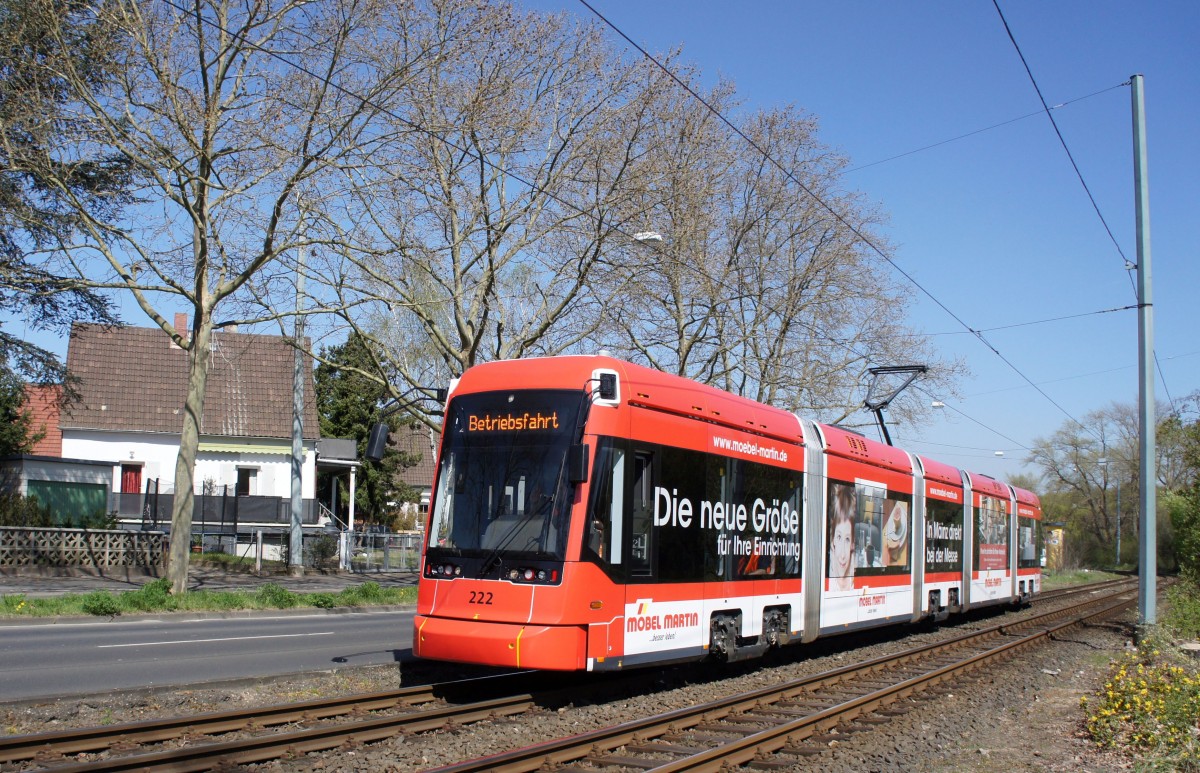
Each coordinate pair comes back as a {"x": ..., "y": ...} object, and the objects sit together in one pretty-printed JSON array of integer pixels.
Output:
[{"x": 185, "y": 463}]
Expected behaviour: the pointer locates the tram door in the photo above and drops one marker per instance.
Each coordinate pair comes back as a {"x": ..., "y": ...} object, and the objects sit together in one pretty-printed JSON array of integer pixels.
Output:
[{"x": 641, "y": 532}]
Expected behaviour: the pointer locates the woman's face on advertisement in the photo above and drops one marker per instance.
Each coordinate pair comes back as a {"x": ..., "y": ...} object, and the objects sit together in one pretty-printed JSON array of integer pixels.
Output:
[{"x": 843, "y": 548}]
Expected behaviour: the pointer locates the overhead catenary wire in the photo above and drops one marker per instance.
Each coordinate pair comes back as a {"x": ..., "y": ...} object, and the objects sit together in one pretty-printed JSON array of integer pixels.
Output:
[
  {"x": 939, "y": 144},
  {"x": 828, "y": 208},
  {"x": 1038, "y": 321},
  {"x": 1062, "y": 141},
  {"x": 766, "y": 156}
]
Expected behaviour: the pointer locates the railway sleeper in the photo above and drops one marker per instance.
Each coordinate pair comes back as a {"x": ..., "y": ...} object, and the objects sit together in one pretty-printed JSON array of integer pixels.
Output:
[{"x": 625, "y": 762}]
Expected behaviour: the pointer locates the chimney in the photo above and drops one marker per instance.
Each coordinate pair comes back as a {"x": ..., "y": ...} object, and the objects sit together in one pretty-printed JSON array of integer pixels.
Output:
[{"x": 181, "y": 327}]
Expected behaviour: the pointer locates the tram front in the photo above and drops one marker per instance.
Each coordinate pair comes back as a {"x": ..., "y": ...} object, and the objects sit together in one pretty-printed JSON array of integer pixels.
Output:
[{"x": 492, "y": 580}]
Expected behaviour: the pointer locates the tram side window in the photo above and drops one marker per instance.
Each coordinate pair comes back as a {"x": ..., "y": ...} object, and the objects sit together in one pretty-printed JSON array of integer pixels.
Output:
[
  {"x": 943, "y": 536},
  {"x": 605, "y": 526},
  {"x": 870, "y": 532},
  {"x": 679, "y": 552},
  {"x": 991, "y": 533},
  {"x": 1029, "y": 538},
  {"x": 774, "y": 547},
  {"x": 641, "y": 533}
]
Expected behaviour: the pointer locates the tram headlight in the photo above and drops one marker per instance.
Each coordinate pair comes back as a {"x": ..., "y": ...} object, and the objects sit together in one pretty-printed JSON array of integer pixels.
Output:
[
  {"x": 443, "y": 570},
  {"x": 523, "y": 574}
]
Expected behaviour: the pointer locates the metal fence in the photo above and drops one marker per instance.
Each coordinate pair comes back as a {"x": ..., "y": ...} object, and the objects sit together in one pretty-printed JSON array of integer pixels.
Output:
[
  {"x": 221, "y": 508},
  {"x": 382, "y": 552},
  {"x": 323, "y": 550}
]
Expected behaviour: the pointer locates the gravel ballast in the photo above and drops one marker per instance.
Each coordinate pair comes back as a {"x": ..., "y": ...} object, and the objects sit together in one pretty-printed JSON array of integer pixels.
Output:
[{"x": 1023, "y": 716}]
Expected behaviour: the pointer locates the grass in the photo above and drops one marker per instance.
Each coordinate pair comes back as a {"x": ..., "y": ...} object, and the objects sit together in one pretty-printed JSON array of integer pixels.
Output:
[
  {"x": 153, "y": 597},
  {"x": 1068, "y": 578}
]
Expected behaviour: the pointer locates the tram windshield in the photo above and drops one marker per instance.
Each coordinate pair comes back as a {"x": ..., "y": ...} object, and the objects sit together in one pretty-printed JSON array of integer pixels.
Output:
[{"x": 503, "y": 484}]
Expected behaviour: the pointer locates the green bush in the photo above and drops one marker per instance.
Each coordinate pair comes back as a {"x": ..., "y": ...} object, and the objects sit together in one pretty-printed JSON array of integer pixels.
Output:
[
  {"x": 322, "y": 600},
  {"x": 151, "y": 597},
  {"x": 321, "y": 552},
  {"x": 28, "y": 512},
  {"x": 15, "y": 604},
  {"x": 101, "y": 603},
  {"x": 370, "y": 591},
  {"x": 1148, "y": 706},
  {"x": 272, "y": 595}
]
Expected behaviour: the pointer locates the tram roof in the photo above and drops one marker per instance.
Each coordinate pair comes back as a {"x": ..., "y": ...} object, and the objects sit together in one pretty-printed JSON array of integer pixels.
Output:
[
  {"x": 851, "y": 445},
  {"x": 638, "y": 385}
]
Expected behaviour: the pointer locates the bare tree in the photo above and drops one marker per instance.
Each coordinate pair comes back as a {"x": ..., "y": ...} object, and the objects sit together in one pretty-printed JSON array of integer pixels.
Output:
[
  {"x": 499, "y": 220},
  {"x": 1082, "y": 466},
  {"x": 763, "y": 284},
  {"x": 239, "y": 119},
  {"x": 486, "y": 220}
]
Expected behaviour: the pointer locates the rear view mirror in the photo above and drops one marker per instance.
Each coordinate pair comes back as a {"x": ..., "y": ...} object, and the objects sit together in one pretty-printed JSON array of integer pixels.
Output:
[
  {"x": 377, "y": 442},
  {"x": 608, "y": 386}
]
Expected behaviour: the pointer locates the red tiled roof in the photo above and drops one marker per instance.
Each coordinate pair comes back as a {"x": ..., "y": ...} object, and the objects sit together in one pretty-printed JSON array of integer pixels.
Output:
[
  {"x": 135, "y": 379},
  {"x": 42, "y": 404}
]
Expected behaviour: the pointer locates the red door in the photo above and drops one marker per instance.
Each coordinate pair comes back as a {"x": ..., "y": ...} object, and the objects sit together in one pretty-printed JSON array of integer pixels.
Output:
[{"x": 131, "y": 478}]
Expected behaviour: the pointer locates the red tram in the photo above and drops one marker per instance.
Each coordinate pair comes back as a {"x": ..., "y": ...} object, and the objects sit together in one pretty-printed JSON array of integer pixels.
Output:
[{"x": 592, "y": 514}]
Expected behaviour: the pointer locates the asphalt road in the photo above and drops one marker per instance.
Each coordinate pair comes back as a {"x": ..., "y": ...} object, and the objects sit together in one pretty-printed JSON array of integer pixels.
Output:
[{"x": 80, "y": 658}]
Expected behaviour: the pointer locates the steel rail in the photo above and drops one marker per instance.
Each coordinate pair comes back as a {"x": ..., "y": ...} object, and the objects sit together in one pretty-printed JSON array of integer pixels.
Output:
[
  {"x": 639, "y": 735},
  {"x": 46, "y": 746},
  {"x": 267, "y": 747}
]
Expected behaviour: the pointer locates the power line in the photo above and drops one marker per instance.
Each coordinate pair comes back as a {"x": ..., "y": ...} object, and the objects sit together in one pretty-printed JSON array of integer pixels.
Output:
[
  {"x": 1039, "y": 322},
  {"x": 985, "y": 129},
  {"x": 1058, "y": 132},
  {"x": 989, "y": 429},
  {"x": 836, "y": 215},
  {"x": 1079, "y": 174}
]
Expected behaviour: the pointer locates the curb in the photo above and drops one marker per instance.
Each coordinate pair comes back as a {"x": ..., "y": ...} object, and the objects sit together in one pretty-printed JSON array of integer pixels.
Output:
[{"x": 185, "y": 617}]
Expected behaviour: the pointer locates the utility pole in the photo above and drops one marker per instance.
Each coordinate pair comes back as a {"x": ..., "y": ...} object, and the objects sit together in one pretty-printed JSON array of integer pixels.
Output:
[
  {"x": 296, "y": 535},
  {"x": 1148, "y": 549}
]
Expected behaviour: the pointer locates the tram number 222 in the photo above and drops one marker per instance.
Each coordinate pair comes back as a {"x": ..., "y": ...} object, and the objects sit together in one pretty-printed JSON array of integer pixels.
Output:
[{"x": 481, "y": 597}]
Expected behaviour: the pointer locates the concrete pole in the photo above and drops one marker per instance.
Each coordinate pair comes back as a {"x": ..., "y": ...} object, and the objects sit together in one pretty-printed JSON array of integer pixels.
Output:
[{"x": 1148, "y": 549}]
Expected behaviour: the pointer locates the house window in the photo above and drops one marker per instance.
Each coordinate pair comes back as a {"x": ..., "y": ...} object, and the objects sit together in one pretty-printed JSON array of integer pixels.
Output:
[
  {"x": 247, "y": 481},
  {"x": 131, "y": 478}
]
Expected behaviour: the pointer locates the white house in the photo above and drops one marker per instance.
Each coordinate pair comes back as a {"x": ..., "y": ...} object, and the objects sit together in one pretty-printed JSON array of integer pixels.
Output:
[{"x": 132, "y": 385}]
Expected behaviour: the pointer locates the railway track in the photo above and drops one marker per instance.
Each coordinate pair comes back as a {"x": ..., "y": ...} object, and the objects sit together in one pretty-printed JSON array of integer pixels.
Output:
[
  {"x": 781, "y": 726},
  {"x": 356, "y": 719}
]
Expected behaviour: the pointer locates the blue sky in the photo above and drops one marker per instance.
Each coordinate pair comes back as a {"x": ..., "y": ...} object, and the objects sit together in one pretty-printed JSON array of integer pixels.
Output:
[{"x": 997, "y": 225}]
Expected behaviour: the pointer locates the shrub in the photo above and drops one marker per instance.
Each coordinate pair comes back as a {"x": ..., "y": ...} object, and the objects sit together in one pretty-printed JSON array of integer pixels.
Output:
[
  {"x": 1149, "y": 706},
  {"x": 322, "y": 600},
  {"x": 272, "y": 595},
  {"x": 151, "y": 597},
  {"x": 16, "y": 604},
  {"x": 18, "y": 510},
  {"x": 370, "y": 591},
  {"x": 101, "y": 603},
  {"x": 321, "y": 552}
]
